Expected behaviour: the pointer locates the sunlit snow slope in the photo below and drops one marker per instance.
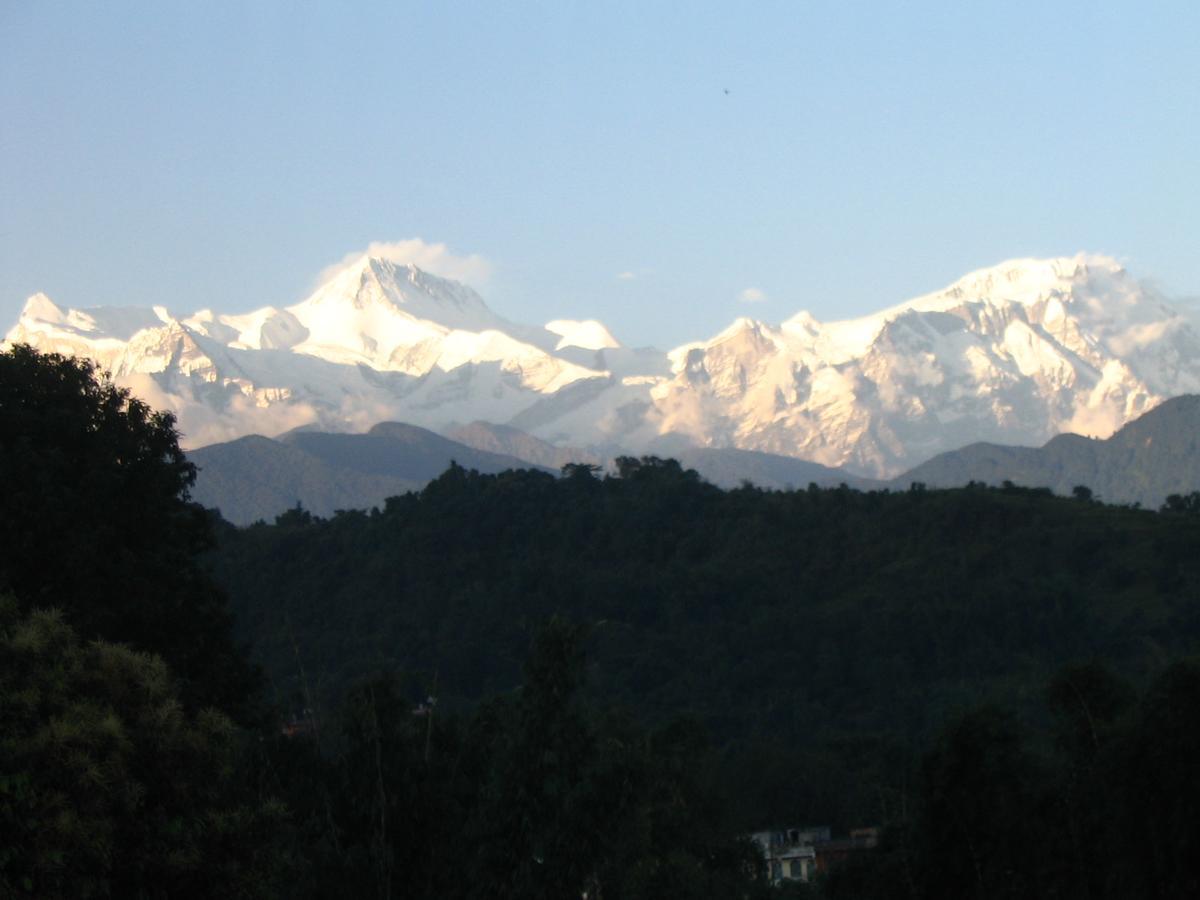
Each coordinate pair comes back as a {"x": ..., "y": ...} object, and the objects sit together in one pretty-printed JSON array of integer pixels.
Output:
[{"x": 1015, "y": 354}]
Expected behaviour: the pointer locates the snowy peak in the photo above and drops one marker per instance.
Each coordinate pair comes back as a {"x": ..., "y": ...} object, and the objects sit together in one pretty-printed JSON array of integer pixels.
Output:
[
  {"x": 983, "y": 298},
  {"x": 108, "y": 322},
  {"x": 40, "y": 308},
  {"x": 743, "y": 344},
  {"x": 1015, "y": 353},
  {"x": 1022, "y": 350},
  {"x": 1027, "y": 282},
  {"x": 370, "y": 282},
  {"x": 376, "y": 340},
  {"x": 396, "y": 317}
]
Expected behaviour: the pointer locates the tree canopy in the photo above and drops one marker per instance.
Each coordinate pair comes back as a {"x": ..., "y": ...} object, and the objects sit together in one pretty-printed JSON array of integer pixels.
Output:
[
  {"x": 820, "y": 635},
  {"x": 108, "y": 787},
  {"x": 95, "y": 520},
  {"x": 534, "y": 794}
]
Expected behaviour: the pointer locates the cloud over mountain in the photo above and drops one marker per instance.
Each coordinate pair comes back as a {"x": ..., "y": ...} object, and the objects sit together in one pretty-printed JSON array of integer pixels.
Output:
[{"x": 437, "y": 259}]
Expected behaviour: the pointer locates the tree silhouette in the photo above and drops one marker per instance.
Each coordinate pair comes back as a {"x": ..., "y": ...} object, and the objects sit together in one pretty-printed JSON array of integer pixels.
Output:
[{"x": 95, "y": 520}]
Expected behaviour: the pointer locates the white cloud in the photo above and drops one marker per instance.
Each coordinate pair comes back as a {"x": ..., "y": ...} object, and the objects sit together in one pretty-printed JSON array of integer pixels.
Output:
[
  {"x": 435, "y": 258},
  {"x": 200, "y": 425},
  {"x": 751, "y": 295},
  {"x": 1139, "y": 336},
  {"x": 1098, "y": 421},
  {"x": 626, "y": 276}
]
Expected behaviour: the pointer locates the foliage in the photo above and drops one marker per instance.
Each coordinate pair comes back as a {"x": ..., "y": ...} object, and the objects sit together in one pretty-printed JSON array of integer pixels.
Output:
[
  {"x": 117, "y": 779},
  {"x": 95, "y": 520},
  {"x": 825, "y": 638},
  {"x": 821, "y": 636},
  {"x": 1183, "y": 503},
  {"x": 108, "y": 788},
  {"x": 1151, "y": 777},
  {"x": 1106, "y": 811},
  {"x": 535, "y": 794},
  {"x": 981, "y": 829}
]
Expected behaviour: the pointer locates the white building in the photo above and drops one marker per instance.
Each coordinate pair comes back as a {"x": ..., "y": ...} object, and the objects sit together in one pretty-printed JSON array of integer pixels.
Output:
[{"x": 790, "y": 853}]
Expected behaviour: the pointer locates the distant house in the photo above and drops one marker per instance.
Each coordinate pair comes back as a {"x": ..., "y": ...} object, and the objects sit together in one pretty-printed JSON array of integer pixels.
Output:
[
  {"x": 789, "y": 854},
  {"x": 796, "y": 854}
]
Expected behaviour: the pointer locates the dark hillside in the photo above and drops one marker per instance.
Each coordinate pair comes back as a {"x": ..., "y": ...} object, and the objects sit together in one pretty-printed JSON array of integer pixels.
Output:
[
  {"x": 255, "y": 477},
  {"x": 398, "y": 450},
  {"x": 1149, "y": 459},
  {"x": 819, "y": 634}
]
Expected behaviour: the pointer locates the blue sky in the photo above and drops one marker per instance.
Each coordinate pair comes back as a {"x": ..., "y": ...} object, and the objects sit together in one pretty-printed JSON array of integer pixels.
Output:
[{"x": 219, "y": 154}]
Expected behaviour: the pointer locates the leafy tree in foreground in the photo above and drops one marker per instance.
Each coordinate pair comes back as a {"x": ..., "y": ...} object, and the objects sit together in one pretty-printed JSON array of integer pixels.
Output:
[
  {"x": 95, "y": 520},
  {"x": 108, "y": 788}
]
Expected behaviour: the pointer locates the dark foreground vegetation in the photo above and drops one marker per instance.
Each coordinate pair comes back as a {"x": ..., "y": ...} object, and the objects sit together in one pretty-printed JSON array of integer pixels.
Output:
[
  {"x": 519, "y": 685},
  {"x": 821, "y": 637}
]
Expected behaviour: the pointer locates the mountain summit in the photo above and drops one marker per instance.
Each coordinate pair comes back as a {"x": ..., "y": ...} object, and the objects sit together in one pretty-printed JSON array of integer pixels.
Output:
[
  {"x": 1016, "y": 353},
  {"x": 388, "y": 302}
]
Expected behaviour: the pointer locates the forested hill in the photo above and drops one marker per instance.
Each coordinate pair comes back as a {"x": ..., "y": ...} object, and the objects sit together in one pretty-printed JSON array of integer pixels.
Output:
[{"x": 819, "y": 634}]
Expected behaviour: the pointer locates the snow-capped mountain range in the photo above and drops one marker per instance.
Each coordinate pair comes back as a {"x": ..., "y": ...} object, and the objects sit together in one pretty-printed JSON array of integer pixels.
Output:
[{"x": 1015, "y": 354}]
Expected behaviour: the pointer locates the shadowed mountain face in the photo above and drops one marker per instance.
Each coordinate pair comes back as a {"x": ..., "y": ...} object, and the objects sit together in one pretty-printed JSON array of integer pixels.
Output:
[
  {"x": 256, "y": 478},
  {"x": 513, "y": 442},
  {"x": 725, "y": 467},
  {"x": 1147, "y": 460},
  {"x": 729, "y": 467},
  {"x": 397, "y": 450}
]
